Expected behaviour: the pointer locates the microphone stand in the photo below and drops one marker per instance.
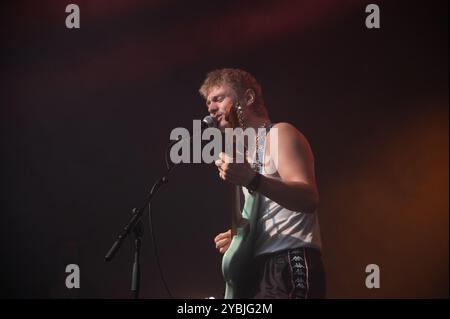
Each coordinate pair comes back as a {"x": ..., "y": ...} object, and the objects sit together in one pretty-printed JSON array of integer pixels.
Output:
[
  {"x": 135, "y": 223},
  {"x": 136, "y": 275},
  {"x": 137, "y": 214}
]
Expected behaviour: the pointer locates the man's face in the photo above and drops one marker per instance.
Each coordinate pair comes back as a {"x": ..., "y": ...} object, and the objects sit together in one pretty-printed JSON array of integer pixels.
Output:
[{"x": 219, "y": 100}]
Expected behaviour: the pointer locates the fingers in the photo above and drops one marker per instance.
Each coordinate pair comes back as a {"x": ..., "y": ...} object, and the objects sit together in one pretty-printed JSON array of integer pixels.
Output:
[
  {"x": 225, "y": 158},
  {"x": 223, "y": 168},
  {"x": 223, "y": 241},
  {"x": 227, "y": 172},
  {"x": 234, "y": 173},
  {"x": 224, "y": 249},
  {"x": 223, "y": 235},
  {"x": 221, "y": 165}
]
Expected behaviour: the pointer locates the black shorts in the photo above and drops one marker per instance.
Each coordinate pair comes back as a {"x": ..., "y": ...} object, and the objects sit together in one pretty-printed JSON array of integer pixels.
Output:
[{"x": 292, "y": 274}]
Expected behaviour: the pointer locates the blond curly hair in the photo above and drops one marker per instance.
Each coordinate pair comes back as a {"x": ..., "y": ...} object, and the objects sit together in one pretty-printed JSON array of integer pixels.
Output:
[{"x": 238, "y": 80}]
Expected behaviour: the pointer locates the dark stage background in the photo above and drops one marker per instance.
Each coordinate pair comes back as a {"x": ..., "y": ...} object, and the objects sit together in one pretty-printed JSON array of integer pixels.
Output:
[{"x": 86, "y": 115}]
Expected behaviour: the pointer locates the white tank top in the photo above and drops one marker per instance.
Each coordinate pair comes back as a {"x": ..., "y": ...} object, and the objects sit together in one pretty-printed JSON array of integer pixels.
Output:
[{"x": 279, "y": 228}]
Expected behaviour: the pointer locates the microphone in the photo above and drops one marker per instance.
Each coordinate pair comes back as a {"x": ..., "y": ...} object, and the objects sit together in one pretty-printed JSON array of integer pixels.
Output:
[{"x": 208, "y": 121}]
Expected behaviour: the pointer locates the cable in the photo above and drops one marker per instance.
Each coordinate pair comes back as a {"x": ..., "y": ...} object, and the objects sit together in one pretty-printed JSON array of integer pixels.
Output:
[
  {"x": 152, "y": 233},
  {"x": 155, "y": 247}
]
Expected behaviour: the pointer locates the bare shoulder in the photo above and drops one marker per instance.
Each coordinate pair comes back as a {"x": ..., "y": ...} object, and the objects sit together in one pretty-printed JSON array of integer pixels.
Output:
[
  {"x": 294, "y": 155},
  {"x": 289, "y": 133}
]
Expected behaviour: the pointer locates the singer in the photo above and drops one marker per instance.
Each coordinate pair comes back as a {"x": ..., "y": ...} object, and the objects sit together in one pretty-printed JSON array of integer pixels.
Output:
[{"x": 274, "y": 248}]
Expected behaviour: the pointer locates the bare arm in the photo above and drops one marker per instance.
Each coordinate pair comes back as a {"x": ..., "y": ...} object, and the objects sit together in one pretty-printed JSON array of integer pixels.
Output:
[{"x": 296, "y": 190}]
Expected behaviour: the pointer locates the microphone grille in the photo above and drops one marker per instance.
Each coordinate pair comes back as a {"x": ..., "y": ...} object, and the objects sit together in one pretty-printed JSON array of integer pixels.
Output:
[{"x": 209, "y": 121}]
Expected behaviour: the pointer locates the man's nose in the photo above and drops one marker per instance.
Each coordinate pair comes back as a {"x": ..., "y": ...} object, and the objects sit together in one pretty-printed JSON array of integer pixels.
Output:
[{"x": 212, "y": 108}]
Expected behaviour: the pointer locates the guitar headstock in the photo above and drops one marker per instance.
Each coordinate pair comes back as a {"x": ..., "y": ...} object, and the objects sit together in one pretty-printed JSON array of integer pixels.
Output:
[{"x": 234, "y": 116}]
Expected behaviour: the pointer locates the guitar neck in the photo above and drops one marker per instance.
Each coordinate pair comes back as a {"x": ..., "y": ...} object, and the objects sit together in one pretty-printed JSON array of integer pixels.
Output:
[{"x": 235, "y": 208}]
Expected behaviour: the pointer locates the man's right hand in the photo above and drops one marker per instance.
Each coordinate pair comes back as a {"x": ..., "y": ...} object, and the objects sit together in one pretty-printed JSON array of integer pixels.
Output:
[{"x": 223, "y": 241}]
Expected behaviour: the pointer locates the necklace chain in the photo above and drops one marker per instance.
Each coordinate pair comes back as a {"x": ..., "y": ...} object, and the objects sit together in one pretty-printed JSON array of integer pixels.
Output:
[{"x": 257, "y": 164}]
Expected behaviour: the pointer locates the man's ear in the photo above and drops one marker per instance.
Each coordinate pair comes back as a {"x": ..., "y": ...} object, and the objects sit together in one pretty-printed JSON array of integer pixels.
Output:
[{"x": 250, "y": 97}]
